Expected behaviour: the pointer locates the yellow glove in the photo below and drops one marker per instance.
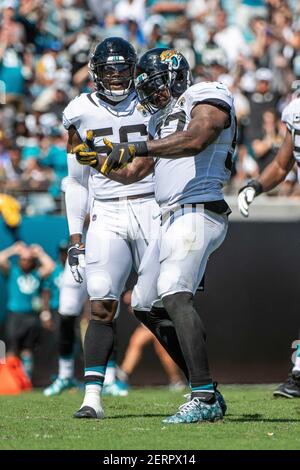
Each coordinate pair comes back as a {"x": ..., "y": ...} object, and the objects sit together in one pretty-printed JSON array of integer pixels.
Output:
[
  {"x": 119, "y": 155},
  {"x": 11, "y": 210},
  {"x": 85, "y": 152}
]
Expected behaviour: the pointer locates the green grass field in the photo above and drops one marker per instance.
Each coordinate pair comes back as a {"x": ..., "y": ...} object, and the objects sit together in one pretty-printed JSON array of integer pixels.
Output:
[{"x": 254, "y": 421}]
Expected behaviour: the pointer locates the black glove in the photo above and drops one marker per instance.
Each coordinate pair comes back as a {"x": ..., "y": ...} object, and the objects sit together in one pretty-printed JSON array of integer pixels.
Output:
[
  {"x": 75, "y": 259},
  {"x": 119, "y": 155}
]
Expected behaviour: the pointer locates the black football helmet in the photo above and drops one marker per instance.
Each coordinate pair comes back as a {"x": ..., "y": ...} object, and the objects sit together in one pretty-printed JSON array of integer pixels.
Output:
[
  {"x": 111, "y": 67},
  {"x": 161, "y": 69}
]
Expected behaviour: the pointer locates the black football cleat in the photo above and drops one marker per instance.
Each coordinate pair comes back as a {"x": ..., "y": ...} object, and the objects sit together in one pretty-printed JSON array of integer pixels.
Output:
[
  {"x": 290, "y": 388},
  {"x": 87, "y": 412}
]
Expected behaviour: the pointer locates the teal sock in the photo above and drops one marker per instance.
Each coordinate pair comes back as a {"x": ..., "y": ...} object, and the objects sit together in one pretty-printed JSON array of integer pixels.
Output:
[
  {"x": 27, "y": 364},
  {"x": 205, "y": 392}
]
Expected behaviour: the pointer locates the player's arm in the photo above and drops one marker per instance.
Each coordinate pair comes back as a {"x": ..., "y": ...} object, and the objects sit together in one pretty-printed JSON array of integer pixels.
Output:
[
  {"x": 204, "y": 128},
  {"x": 132, "y": 171},
  {"x": 77, "y": 197},
  {"x": 135, "y": 171},
  {"x": 207, "y": 122},
  {"x": 282, "y": 164},
  {"x": 272, "y": 175},
  {"x": 76, "y": 189}
]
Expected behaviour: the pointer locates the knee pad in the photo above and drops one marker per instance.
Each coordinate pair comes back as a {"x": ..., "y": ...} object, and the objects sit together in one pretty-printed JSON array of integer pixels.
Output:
[
  {"x": 99, "y": 286},
  {"x": 169, "y": 281},
  {"x": 140, "y": 300},
  {"x": 69, "y": 305}
]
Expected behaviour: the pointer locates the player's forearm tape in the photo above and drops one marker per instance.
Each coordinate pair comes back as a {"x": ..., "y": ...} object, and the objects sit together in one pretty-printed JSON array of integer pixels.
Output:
[
  {"x": 141, "y": 149},
  {"x": 256, "y": 185}
]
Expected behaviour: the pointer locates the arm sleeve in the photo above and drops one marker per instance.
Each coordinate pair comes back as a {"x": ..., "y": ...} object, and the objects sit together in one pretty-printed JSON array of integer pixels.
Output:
[
  {"x": 66, "y": 122},
  {"x": 77, "y": 194},
  {"x": 213, "y": 93},
  {"x": 72, "y": 114}
]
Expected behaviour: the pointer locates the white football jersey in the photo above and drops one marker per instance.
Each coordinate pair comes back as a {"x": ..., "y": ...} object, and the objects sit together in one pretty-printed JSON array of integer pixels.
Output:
[
  {"x": 120, "y": 123},
  {"x": 199, "y": 178},
  {"x": 291, "y": 117}
]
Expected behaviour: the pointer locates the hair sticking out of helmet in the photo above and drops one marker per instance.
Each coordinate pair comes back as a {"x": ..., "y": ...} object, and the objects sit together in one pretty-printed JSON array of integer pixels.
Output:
[
  {"x": 161, "y": 74},
  {"x": 111, "y": 68}
]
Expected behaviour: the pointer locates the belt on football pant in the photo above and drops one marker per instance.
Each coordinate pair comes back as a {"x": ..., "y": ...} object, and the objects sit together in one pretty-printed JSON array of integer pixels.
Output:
[
  {"x": 219, "y": 207},
  {"x": 131, "y": 197}
]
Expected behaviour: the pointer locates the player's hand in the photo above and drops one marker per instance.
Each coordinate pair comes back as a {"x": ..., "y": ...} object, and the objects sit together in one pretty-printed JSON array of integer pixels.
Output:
[
  {"x": 76, "y": 255},
  {"x": 245, "y": 198},
  {"x": 119, "y": 155},
  {"x": 85, "y": 152}
]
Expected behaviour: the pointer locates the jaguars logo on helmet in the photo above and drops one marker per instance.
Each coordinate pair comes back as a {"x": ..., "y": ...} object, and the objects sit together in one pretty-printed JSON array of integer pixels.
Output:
[
  {"x": 172, "y": 57},
  {"x": 161, "y": 71}
]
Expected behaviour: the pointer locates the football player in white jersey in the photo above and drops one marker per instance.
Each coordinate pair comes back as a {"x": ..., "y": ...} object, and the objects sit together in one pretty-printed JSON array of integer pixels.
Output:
[
  {"x": 273, "y": 174},
  {"x": 191, "y": 141},
  {"x": 121, "y": 223}
]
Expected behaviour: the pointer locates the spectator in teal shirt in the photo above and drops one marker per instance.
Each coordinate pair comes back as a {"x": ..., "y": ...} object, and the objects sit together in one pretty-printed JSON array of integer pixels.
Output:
[
  {"x": 24, "y": 280},
  {"x": 12, "y": 71},
  {"x": 57, "y": 160},
  {"x": 248, "y": 9},
  {"x": 53, "y": 283}
]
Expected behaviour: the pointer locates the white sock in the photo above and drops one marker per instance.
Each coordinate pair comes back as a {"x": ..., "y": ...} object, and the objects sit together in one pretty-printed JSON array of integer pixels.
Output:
[
  {"x": 66, "y": 368},
  {"x": 110, "y": 375},
  {"x": 92, "y": 397}
]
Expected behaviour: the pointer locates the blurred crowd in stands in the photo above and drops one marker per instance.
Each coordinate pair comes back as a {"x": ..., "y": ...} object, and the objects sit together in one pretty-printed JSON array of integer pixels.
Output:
[{"x": 253, "y": 46}]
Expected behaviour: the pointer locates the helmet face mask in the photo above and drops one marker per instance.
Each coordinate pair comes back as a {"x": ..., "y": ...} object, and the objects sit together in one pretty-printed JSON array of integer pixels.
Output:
[
  {"x": 112, "y": 67},
  {"x": 115, "y": 79},
  {"x": 154, "y": 93}
]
